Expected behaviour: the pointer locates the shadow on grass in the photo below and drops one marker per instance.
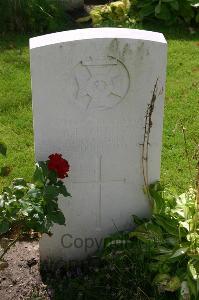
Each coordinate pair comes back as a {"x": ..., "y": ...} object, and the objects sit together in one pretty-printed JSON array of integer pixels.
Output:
[
  {"x": 100, "y": 279},
  {"x": 178, "y": 32},
  {"x": 11, "y": 41}
]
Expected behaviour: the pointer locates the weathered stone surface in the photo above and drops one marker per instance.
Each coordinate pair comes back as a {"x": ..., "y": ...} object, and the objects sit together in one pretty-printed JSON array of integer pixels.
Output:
[{"x": 91, "y": 90}]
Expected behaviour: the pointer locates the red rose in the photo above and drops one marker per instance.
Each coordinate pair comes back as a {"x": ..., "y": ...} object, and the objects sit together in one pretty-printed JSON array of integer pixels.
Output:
[{"x": 59, "y": 165}]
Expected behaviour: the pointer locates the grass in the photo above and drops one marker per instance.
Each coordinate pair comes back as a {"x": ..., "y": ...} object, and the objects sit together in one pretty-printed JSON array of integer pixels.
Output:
[
  {"x": 181, "y": 107},
  {"x": 181, "y": 110},
  {"x": 15, "y": 107}
]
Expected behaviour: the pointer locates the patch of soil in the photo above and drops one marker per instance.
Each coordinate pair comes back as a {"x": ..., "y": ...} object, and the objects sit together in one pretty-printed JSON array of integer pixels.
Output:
[
  {"x": 22, "y": 279},
  {"x": 25, "y": 278}
]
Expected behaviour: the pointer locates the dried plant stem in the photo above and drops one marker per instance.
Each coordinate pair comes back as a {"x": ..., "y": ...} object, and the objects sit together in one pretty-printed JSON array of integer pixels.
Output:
[
  {"x": 145, "y": 145},
  {"x": 187, "y": 152},
  {"x": 142, "y": 292},
  {"x": 197, "y": 187}
]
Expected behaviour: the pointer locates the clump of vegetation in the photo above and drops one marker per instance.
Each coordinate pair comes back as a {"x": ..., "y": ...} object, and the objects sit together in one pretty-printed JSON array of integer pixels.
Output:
[
  {"x": 115, "y": 11},
  {"x": 170, "y": 12},
  {"x": 170, "y": 242},
  {"x": 158, "y": 260},
  {"x": 35, "y": 16},
  {"x": 125, "y": 12},
  {"x": 32, "y": 206}
]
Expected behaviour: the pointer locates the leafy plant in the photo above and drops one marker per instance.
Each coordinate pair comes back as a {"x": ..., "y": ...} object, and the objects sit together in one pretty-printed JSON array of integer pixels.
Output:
[
  {"x": 114, "y": 11},
  {"x": 168, "y": 244},
  {"x": 119, "y": 274},
  {"x": 170, "y": 11},
  {"x": 32, "y": 16},
  {"x": 34, "y": 206},
  {"x": 158, "y": 260}
]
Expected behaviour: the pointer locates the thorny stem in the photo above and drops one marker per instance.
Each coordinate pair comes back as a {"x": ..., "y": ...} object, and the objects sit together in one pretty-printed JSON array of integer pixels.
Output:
[
  {"x": 145, "y": 146},
  {"x": 9, "y": 246}
]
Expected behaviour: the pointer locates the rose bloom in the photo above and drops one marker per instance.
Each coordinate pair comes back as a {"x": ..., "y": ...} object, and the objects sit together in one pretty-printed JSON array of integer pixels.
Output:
[{"x": 59, "y": 165}]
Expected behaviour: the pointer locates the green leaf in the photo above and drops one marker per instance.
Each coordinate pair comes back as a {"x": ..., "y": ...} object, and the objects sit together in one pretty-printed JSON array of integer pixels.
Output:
[
  {"x": 161, "y": 279},
  {"x": 192, "y": 286},
  {"x": 193, "y": 267},
  {"x": 19, "y": 188},
  {"x": 163, "y": 258},
  {"x": 179, "y": 252},
  {"x": 146, "y": 11},
  {"x": 38, "y": 177},
  {"x": 117, "y": 241},
  {"x": 143, "y": 3},
  {"x": 139, "y": 221},
  {"x": 164, "y": 13},
  {"x": 158, "y": 8},
  {"x": 57, "y": 217},
  {"x": 171, "y": 241},
  {"x": 170, "y": 225},
  {"x": 174, "y": 5},
  {"x": 44, "y": 167},
  {"x": 50, "y": 192},
  {"x": 164, "y": 268},
  {"x": 52, "y": 176},
  {"x": 156, "y": 192},
  {"x": 38, "y": 209},
  {"x": 52, "y": 206},
  {"x": 148, "y": 233},
  {"x": 3, "y": 148},
  {"x": 63, "y": 191},
  {"x": 153, "y": 266},
  {"x": 186, "y": 11},
  {"x": 7, "y": 190},
  {"x": 173, "y": 285},
  {"x": 4, "y": 226},
  {"x": 19, "y": 191},
  {"x": 34, "y": 192},
  {"x": 19, "y": 181},
  {"x": 119, "y": 244},
  {"x": 142, "y": 236},
  {"x": 163, "y": 250}
]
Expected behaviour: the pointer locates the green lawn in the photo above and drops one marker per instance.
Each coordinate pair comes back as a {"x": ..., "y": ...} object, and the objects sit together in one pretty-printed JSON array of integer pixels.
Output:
[{"x": 181, "y": 107}]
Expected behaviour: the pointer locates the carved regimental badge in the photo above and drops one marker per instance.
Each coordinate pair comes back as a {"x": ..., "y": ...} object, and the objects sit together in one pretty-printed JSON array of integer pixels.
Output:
[{"x": 101, "y": 84}]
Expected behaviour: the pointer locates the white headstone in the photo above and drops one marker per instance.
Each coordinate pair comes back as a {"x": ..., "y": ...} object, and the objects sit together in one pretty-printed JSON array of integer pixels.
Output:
[{"x": 91, "y": 89}]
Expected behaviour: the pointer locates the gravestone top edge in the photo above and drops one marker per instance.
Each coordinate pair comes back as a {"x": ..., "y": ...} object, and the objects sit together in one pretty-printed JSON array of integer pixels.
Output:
[{"x": 96, "y": 33}]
